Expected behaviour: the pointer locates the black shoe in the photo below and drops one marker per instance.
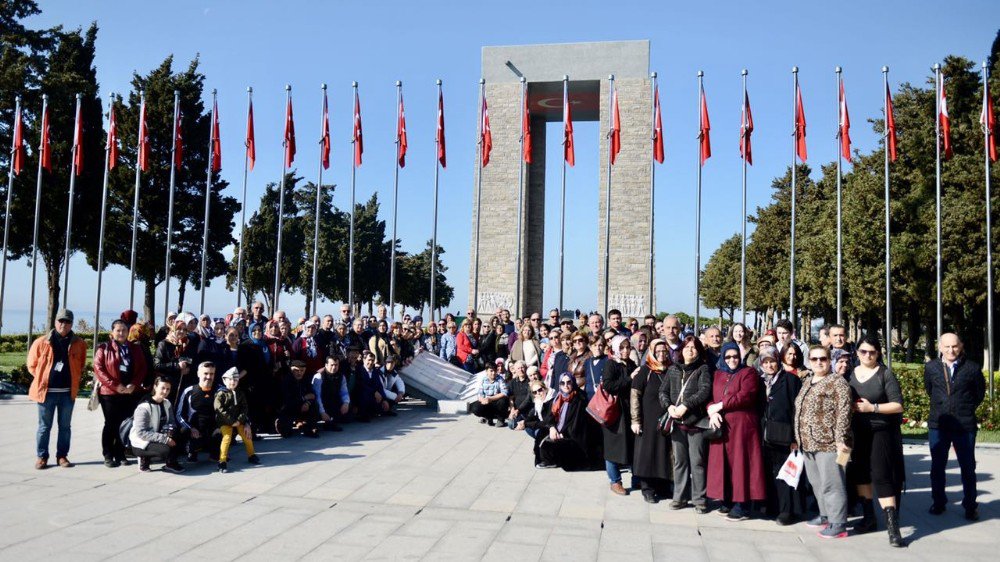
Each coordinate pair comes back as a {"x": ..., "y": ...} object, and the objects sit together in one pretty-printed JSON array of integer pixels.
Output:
[
  {"x": 892, "y": 526},
  {"x": 649, "y": 496},
  {"x": 483, "y": 420},
  {"x": 223, "y": 467},
  {"x": 867, "y": 523},
  {"x": 390, "y": 413},
  {"x": 110, "y": 462},
  {"x": 701, "y": 509},
  {"x": 545, "y": 465},
  {"x": 253, "y": 459},
  {"x": 972, "y": 514},
  {"x": 124, "y": 461},
  {"x": 737, "y": 514},
  {"x": 192, "y": 457},
  {"x": 936, "y": 509},
  {"x": 490, "y": 422},
  {"x": 678, "y": 504},
  {"x": 174, "y": 466},
  {"x": 785, "y": 519},
  {"x": 723, "y": 509},
  {"x": 143, "y": 464}
]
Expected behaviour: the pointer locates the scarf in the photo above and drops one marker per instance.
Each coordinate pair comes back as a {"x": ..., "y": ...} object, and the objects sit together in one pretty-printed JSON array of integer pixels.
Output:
[
  {"x": 651, "y": 361},
  {"x": 559, "y": 405},
  {"x": 260, "y": 342},
  {"x": 722, "y": 365}
]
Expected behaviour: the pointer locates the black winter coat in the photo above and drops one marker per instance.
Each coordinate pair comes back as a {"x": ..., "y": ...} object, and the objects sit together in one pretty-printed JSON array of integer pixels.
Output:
[
  {"x": 697, "y": 392},
  {"x": 619, "y": 440},
  {"x": 953, "y": 406}
]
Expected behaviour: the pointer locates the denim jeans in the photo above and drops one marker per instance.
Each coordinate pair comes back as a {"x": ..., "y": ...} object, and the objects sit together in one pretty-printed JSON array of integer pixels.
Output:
[
  {"x": 940, "y": 441},
  {"x": 63, "y": 403},
  {"x": 614, "y": 471}
]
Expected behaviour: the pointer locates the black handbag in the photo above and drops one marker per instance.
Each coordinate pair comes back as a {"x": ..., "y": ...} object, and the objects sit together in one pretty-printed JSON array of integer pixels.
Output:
[
  {"x": 707, "y": 431},
  {"x": 779, "y": 434}
]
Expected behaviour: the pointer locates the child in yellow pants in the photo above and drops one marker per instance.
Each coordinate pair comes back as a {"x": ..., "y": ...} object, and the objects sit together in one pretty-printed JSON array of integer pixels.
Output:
[{"x": 231, "y": 415}]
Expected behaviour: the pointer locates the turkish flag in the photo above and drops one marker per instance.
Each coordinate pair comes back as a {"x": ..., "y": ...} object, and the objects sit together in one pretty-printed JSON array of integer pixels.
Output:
[
  {"x": 112, "y": 145},
  {"x": 19, "y": 156},
  {"x": 358, "y": 138},
  {"x": 487, "y": 136},
  {"x": 289, "y": 134},
  {"x": 746, "y": 129},
  {"x": 440, "y": 130},
  {"x": 616, "y": 128},
  {"x": 704, "y": 127},
  {"x": 657, "y": 128},
  {"x": 800, "y": 124},
  {"x": 945, "y": 120},
  {"x": 401, "y": 134},
  {"x": 78, "y": 141},
  {"x": 324, "y": 142},
  {"x": 143, "y": 148},
  {"x": 989, "y": 125},
  {"x": 216, "y": 140},
  {"x": 526, "y": 132},
  {"x": 46, "y": 148},
  {"x": 250, "y": 142},
  {"x": 845, "y": 126},
  {"x": 178, "y": 140},
  {"x": 890, "y": 125},
  {"x": 568, "y": 153}
]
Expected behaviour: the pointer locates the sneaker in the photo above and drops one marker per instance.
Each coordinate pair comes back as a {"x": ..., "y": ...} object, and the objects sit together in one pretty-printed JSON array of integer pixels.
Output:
[
  {"x": 143, "y": 464},
  {"x": 545, "y": 465},
  {"x": 490, "y": 422},
  {"x": 41, "y": 463},
  {"x": 723, "y": 509},
  {"x": 818, "y": 522},
  {"x": 701, "y": 509},
  {"x": 253, "y": 459},
  {"x": 64, "y": 462},
  {"x": 223, "y": 467},
  {"x": 173, "y": 466},
  {"x": 678, "y": 504},
  {"x": 833, "y": 532},
  {"x": 737, "y": 514}
]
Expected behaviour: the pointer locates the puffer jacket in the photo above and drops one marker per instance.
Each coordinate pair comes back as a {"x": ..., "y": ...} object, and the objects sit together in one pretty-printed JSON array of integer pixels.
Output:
[
  {"x": 231, "y": 407},
  {"x": 148, "y": 423},
  {"x": 823, "y": 414}
]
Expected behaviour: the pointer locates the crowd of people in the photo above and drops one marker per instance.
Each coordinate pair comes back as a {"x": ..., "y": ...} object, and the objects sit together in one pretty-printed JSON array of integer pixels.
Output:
[
  {"x": 709, "y": 422},
  {"x": 733, "y": 424}
]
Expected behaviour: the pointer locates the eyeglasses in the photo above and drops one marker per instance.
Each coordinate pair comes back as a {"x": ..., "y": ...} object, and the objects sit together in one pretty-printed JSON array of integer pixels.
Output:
[
  {"x": 64, "y": 321},
  {"x": 565, "y": 383},
  {"x": 535, "y": 319},
  {"x": 867, "y": 352},
  {"x": 540, "y": 391},
  {"x": 820, "y": 359},
  {"x": 728, "y": 357}
]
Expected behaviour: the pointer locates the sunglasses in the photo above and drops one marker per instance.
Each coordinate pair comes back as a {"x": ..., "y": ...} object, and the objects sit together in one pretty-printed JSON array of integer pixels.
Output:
[
  {"x": 539, "y": 391},
  {"x": 867, "y": 352},
  {"x": 820, "y": 359},
  {"x": 728, "y": 357},
  {"x": 565, "y": 383}
]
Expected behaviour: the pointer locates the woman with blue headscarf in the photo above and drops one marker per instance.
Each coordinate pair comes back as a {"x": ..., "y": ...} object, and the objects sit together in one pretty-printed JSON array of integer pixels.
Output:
[
  {"x": 565, "y": 438},
  {"x": 735, "y": 462},
  {"x": 253, "y": 356}
]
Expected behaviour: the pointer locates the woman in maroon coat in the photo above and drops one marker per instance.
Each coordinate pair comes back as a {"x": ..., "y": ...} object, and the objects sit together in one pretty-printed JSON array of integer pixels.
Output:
[{"x": 735, "y": 462}]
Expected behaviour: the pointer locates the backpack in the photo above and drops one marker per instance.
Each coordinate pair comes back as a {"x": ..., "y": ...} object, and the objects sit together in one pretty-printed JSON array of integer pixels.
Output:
[{"x": 123, "y": 432}]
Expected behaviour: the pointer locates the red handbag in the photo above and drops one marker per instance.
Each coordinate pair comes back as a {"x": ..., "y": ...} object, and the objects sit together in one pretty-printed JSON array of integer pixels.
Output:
[{"x": 604, "y": 407}]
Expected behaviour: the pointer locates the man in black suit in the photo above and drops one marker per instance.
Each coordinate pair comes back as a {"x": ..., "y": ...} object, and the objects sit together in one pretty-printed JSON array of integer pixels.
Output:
[{"x": 956, "y": 387}]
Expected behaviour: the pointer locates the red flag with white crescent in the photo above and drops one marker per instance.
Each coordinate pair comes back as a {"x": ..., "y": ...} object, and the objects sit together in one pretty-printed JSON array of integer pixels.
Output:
[
  {"x": 890, "y": 125},
  {"x": 845, "y": 126},
  {"x": 358, "y": 138},
  {"x": 526, "y": 132},
  {"x": 216, "y": 140},
  {"x": 441, "y": 153},
  {"x": 17, "y": 161},
  {"x": 401, "y": 134},
  {"x": 78, "y": 141},
  {"x": 616, "y": 128},
  {"x": 46, "y": 145},
  {"x": 289, "y": 134},
  {"x": 945, "y": 120},
  {"x": 251, "y": 143},
  {"x": 487, "y": 135},
  {"x": 324, "y": 143},
  {"x": 112, "y": 144},
  {"x": 746, "y": 130},
  {"x": 989, "y": 125},
  {"x": 569, "y": 154},
  {"x": 178, "y": 140},
  {"x": 143, "y": 139},
  {"x": 658, "y": 152},
  {"x": 704, "y": 128},
  {"x": 800, "y": 124}
]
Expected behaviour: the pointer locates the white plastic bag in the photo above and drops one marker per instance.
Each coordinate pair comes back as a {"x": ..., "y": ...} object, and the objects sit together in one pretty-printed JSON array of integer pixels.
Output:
[{"x": 791, "y": 471}]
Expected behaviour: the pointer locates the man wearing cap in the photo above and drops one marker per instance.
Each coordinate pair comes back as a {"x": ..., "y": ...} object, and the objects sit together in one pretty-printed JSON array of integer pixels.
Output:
[
  {"x": 299, "y": 410},
  {"x": 56, "y": 361}
]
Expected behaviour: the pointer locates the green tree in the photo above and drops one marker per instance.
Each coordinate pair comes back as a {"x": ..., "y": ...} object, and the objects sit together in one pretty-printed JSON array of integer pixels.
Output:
[{"x": 720, "y": 279}]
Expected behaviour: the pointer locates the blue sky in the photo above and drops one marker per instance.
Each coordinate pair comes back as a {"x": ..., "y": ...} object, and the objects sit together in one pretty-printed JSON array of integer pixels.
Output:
[{"x": 306, "y": 43}]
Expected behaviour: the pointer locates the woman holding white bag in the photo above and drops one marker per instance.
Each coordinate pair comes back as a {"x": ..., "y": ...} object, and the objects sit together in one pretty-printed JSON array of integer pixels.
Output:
[{"x": 780, "y": 389}]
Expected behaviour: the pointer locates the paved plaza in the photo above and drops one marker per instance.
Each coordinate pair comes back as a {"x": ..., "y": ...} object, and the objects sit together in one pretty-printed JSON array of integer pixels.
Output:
[{"x": 422, "y": 485}]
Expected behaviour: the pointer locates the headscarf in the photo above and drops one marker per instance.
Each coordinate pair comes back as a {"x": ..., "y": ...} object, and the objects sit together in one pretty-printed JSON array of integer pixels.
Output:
[
  {"x": 138, "y": 333},
  {"x": 260, "y": 342},
  {"x": 130, "y": 317},
  {"x": 835, "y": 355},
  {"x": 651, "y": 361},
  {"x": 616, "y": 343},
  {"x": 769, "y": 380},
  {"x": 563, "y": 397},
  {"x": 721, "y": 364}
]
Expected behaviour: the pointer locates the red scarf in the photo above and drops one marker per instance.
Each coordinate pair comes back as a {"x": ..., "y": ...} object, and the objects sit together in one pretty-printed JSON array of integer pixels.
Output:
[{"x": 557, "y": 404}]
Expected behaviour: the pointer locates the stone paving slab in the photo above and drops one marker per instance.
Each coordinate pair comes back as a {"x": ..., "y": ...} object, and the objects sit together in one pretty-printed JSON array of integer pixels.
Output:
[{"x": 419, "y": 486}]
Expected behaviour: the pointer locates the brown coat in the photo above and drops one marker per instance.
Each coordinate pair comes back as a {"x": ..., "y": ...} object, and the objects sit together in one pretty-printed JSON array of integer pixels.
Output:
[
  {"x": 823, "y": 414},
  {"x": 41, "y": 358}
]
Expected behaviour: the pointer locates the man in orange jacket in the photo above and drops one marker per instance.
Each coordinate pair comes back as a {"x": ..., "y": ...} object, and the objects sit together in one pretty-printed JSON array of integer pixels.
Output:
[{"x": 56, "y": 361}]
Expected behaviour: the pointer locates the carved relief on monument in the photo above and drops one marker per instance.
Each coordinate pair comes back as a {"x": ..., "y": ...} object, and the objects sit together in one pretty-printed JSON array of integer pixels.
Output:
[
  {"x": 630, "y": 305},
  {"x": 492, "y": 300}
]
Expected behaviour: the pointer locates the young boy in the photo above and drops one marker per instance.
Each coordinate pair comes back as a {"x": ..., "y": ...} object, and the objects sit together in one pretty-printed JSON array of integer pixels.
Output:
[{"x": 231, "y": 414}]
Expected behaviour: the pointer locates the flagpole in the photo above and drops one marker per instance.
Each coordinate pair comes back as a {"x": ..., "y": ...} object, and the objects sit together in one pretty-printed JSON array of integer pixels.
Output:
[
  {"x": 987, "y": 133},
  {"x": 243, "y": 206},
  {"x": 354, "y": 172},
  {"x": 6, "y": 214},
  {"x": 520, "y": 206},
  {"x": 791, "y": 277},
  {"x": 743, "y": 241},
  {"x": 281, "y": 203},
  {"x": 208, "y": 195},
  {"x": 840, "y": 163},
  {"x": 652, "y": 186},
  {"x": 888, "y": 257},
  {"x": 437, "y": 169},
  {"x": 937, "y": 190},
  {"x": 562, "y": 205},
  {"x": 395, "y": 208},
  {"x": 697, "y": 218},
  {"x": 73, "y": 171},
  {"x": 170, "y": 208},
  {"x": 135, "y": 202},
  {"x": 479, "y": 198},
  {"x": 319, "y": 191},
  {"x": 38, "y": 209},
  {"x": 607, "y": 202},
  {"x": 104, "y": 212}
]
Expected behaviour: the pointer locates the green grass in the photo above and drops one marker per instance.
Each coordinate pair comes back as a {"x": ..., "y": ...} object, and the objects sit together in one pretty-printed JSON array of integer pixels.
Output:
[
  {"x": 983, "y": 436},
  {"x": 11, "y": 360}
]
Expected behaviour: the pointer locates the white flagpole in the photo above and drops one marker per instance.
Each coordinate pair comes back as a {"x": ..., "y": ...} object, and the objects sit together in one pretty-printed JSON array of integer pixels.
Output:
[
  {"x": 437, "y": 169},
  {"x": 697, "y": 219},
  {"x": 73, "y": 171},
  {"x": 6, "y": 220},
  {"x": 791, "y": 276},
  {"x": 652, "y": 189},
  {"x": 937, "y": 191},
  {"x": 281, "y": 204},
  {"x": 395, "y": 206},
  {"x": 208, "y": 198},
  {"x": 104, "y": 211},
  {"x": 479, "y": 197},
  {"x": 888, "y": 257},
  {"x": 354, "y": 173},
  {"x": 607, "y": 201},
  {"x": 38, "y": 210},
  {"x": 170, "y": 208},
  {"x": 840, "y": 163},
  {"x": 319, "y": 192},
  {"x": 135, "y": 202},
  {"x": 743, "y": 218},
  {"x": 243, "y": 206},
  {"x": 520, "y": 205},
  {"x": 562, "y": 205}
]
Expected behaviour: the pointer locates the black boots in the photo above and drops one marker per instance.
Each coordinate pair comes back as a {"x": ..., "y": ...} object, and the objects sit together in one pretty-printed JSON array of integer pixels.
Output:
[
  {"x": 868, "y": 523},
  {"x": 892, "y": 526}
]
